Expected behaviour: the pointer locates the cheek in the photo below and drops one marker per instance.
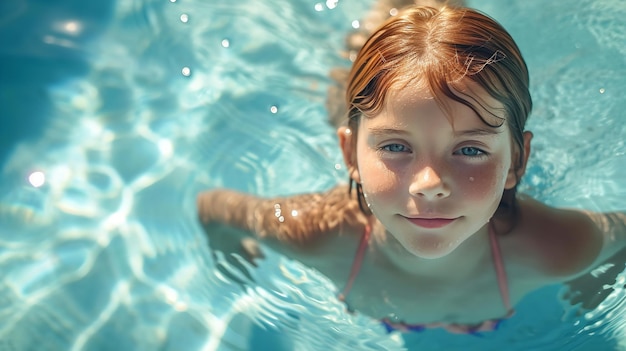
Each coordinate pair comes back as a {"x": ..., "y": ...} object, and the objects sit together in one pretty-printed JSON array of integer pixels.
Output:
[
  {"x": 379, "y": 181},
  {"x": 482, "y": 182},
  {"x": 376, "y": 177}
]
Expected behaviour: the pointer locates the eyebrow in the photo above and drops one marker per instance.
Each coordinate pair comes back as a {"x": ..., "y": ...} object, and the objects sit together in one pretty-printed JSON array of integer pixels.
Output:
[
  {"x": 459, "y": 133},
  {"x": 478, "y": 132},
  {"x": 386, "y": 131}
]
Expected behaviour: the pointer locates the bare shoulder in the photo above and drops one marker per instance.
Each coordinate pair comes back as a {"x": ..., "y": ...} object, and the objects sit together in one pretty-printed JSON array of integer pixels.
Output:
[{"x": 562, "y": 243}]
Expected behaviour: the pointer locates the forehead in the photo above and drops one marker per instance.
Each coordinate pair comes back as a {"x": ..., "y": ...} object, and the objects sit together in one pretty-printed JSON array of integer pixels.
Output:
[{"x": 468, "y": 100}]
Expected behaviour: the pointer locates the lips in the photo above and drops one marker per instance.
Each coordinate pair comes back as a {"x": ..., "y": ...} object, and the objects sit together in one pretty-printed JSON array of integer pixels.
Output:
[{"x": 431, "y": 223}]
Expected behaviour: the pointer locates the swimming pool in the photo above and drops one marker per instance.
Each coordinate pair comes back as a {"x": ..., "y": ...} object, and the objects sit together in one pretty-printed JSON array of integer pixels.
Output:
[{"x": 114, "y": 115}]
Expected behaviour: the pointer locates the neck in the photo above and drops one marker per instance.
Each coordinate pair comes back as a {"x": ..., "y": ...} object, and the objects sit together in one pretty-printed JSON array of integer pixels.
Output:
[{"x": 459, "y": 263}]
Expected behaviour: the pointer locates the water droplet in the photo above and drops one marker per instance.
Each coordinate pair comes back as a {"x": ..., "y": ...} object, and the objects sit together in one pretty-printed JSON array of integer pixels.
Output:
[
  {"x": 294, "y": 213},
  {"x": 281, "y": 219},
  {"x": 337, "y": 166},
  {"x": 331, "y": 4}
]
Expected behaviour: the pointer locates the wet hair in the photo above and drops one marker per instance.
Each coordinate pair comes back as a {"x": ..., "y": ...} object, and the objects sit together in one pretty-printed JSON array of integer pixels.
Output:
[{"x": 444, "y": 49}]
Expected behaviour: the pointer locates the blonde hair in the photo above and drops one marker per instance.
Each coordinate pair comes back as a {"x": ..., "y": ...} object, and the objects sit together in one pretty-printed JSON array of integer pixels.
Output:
[{"x": 442, "y": 48}]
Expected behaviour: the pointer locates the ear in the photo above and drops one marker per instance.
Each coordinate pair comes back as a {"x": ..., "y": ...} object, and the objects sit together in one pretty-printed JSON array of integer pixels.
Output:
[
  {"x": 347, "y": 142},
  {"x": 517, "y": 171}
]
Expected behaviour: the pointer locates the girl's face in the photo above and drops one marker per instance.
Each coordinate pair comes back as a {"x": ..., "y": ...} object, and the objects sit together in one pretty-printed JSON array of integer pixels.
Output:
[{"x": 432, "y": 178}]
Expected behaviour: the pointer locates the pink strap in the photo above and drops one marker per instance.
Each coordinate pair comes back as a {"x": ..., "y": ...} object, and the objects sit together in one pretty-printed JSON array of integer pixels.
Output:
[
  {"x": 495, "y": 252},
  {"x": 356, "y": 264},
  {"x": 499, "y": 265}
]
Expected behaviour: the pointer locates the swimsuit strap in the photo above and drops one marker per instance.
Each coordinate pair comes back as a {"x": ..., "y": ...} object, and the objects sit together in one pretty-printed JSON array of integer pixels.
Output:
[
  {"x": 495, "y": 252},
  {"x": 356, "y": 264},
  {"x": 499, "y": 266}
]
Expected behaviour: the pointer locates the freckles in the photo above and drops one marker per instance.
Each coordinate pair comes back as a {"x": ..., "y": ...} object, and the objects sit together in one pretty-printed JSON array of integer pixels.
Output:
[{"x": 479, "y": 183}]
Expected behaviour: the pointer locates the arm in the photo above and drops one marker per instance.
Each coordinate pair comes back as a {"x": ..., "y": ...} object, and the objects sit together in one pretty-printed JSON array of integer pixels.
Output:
[
  {"x": 588, "y": 290},
  {"x": 612, "y": 227},
  {"x": 298, "y": 219}
]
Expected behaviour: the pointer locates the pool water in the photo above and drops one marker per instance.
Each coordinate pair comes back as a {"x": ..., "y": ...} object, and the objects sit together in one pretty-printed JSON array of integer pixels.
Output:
[{"x": 115, "y": 114}]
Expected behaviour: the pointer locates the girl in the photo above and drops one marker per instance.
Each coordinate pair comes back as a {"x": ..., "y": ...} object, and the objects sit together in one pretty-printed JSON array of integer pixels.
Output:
[{"x": 430, "y": 232}]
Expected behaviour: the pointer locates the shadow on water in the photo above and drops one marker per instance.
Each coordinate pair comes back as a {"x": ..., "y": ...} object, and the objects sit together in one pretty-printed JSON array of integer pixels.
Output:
[{"x": 41, "y": 43}]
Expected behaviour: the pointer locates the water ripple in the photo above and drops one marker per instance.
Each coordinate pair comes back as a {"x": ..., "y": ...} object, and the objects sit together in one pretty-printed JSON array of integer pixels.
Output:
[{"x": 180, "y": 96}]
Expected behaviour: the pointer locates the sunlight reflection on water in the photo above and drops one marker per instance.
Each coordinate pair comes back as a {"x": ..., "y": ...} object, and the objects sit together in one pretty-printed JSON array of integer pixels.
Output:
[{"x": 98, "y": 236}]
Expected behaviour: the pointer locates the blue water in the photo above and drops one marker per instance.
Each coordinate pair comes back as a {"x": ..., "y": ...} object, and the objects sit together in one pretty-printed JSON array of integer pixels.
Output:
[{"x": 115, "y": 114}]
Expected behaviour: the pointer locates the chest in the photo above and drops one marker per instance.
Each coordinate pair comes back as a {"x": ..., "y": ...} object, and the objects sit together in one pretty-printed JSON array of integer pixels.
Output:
[{"x": 380, "y": 291}]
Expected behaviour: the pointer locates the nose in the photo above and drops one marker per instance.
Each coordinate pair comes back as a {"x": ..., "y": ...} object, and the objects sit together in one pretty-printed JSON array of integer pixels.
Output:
[{"x": 429, "y": 185}]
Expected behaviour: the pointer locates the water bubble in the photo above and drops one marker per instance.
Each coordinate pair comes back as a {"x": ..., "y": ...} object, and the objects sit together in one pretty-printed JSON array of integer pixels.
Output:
[
  {"x": 184, "y": 18},
  {"x": 393, "y": 11},
  {"x": 274, "y": 109},
  {"x": 37, "y": 179},
  {"x": 356, "y": 24},
  {"x": 186, "y": 71},
  {"x": 319, "y": 7},
  {"x": 602, "y": 90},
  {"x": 352, "y": 55},
  {"x": 225, "y": 43}
]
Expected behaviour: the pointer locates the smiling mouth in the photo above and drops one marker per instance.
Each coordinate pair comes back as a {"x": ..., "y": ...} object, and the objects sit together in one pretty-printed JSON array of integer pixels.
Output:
[{"x": 431, "y": 223}]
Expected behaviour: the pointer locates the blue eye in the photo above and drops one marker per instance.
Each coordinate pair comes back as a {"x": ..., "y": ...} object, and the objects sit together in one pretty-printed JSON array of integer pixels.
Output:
[
  {"x": 471, "y": 151},
  {"x": 395, "y": 148}
]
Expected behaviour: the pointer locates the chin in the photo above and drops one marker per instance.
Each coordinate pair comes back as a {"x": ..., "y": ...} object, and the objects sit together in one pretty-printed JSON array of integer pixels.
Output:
[{"x": 431, "y": 247}]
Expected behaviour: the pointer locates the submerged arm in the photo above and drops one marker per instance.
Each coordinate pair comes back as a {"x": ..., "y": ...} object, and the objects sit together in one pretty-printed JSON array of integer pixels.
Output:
[
  {"x": 612, "y": 227},
  {"x": 296, "y": 219},
  {"x": 588, "y": 290}
]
